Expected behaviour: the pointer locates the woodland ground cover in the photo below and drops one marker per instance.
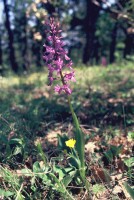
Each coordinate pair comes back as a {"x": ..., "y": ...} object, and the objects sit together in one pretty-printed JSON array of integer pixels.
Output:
[{"x": 31, "y": 114}]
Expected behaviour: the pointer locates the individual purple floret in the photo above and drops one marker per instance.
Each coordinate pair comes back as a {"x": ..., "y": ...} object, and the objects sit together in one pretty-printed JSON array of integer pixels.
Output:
[{"x": 57, "y": 59}]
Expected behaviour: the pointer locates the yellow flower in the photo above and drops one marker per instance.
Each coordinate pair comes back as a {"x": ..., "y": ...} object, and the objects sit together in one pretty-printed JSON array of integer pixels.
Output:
[{"x": 70, "y": 143}]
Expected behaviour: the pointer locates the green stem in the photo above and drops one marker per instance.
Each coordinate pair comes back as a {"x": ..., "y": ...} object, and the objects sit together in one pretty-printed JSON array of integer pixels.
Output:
[{"x": 79, "y": 140}]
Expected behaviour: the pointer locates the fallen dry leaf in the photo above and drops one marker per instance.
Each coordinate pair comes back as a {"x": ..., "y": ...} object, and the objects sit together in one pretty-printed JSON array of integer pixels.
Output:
[
  {"x": 90, "y": 147},
  {"x": 117, "y": 189}
]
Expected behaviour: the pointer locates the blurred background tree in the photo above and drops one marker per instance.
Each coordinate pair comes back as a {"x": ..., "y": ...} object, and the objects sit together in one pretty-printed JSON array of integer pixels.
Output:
[{"x": 92, "y": 30}]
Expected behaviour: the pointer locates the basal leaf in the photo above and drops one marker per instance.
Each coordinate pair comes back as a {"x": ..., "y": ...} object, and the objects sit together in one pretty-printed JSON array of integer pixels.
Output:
[
  {"x": 4, "y": 193},
  {"x": 129, "y": 190}
]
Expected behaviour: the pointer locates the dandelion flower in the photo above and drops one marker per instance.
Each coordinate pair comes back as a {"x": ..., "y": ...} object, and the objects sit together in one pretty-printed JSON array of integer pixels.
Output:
[{"x": 70, "y": 143}]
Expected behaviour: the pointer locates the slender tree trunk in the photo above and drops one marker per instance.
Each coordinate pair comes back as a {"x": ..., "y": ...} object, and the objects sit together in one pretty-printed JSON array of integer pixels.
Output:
[
  {"x": 128, "y": 45},
  {"x": 113, "y": 44},
  {"x": 12, "y": 58},
  {"x": 92, "y": 14},
  {"x": 24, "y": 42},
  {"x": 1, "y": 50},
  {"x": 96, "y": 51},
  {"x": 1, "y": 60}
]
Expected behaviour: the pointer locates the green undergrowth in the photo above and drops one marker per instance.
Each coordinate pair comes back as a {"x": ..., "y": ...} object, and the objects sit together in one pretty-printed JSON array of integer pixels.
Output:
[{"x": 34, "y": 166}]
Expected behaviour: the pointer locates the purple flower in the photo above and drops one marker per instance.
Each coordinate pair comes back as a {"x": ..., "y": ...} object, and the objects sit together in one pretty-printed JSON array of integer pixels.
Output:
[
  {"x": 67, "y": 89},
  {"x": 58, "y": 89},
  {"x": 59, "y": 64},
  {"x": 70, "y": 76},
  {"x": 63, "y": 88},
  {"x": 56, "y": 58},
  {"x": 66, "y": 57}
]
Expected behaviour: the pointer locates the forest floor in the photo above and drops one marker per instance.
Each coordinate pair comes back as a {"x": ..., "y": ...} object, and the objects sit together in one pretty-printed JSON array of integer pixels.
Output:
[{"x": 30, "y": 112}]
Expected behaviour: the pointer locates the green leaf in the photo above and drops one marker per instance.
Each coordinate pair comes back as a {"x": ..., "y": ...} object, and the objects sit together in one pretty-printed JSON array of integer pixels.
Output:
[
  {"x": 80, "y": 140},
  {"x": 66, "y": 180},
  {"x": 74, "y": 162},
  {"x": 116, "y": 150},
  {"x": 36, "y": 167},
  {"x": 129, "y": 162},
  {"x": 16, "y": 141},
  {"x": 129, "y": 190},
  {"x": 68, "y": 169},
  {"x": 61, "y": 142},
  {"x": 79, "y": 136},
  {"x": 60, "y": 171},
  {"x": 109, "y": 155},
  {"x": 113, "y": 151},
  {"x": 57, "y": 185},
  {"x": 33, "y": 188},
  {"x": 131, "y": 135},
  {"x": 46, "y": 179},
  {"x": 5, "y": 193},
  {"x": 17, "y": 150}
]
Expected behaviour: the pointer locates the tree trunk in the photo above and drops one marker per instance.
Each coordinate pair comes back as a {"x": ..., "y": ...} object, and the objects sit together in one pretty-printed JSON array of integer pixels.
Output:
[
  {"x": 92, "y": 14},
  {"x": 24, "y": 42},
  {"x": 113, "y": 44},
  {"x": 128, "y": 45},
  {"x": 0, "y": 50},
  {"x": 10, "y": 38},
  {"x": 1, "y": 60}
]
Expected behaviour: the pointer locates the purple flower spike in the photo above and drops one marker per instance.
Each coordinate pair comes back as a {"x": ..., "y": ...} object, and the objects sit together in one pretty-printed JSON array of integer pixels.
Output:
[{"x": 57, "y": 59}]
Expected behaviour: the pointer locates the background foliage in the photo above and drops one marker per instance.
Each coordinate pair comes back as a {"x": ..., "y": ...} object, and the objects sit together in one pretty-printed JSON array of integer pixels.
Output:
[{"x": 96, "y": 32}]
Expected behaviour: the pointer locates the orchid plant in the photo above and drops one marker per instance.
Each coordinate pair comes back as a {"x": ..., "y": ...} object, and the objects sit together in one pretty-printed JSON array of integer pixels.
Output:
[
  {"x": 60, "y": 68},
  {"x": 57, "y": 60}
]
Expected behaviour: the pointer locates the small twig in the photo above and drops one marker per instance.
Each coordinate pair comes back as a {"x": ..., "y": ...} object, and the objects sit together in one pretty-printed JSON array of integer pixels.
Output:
[
  {"x": 84, "y": 195},
  {"x": 75, "y": 187}
]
